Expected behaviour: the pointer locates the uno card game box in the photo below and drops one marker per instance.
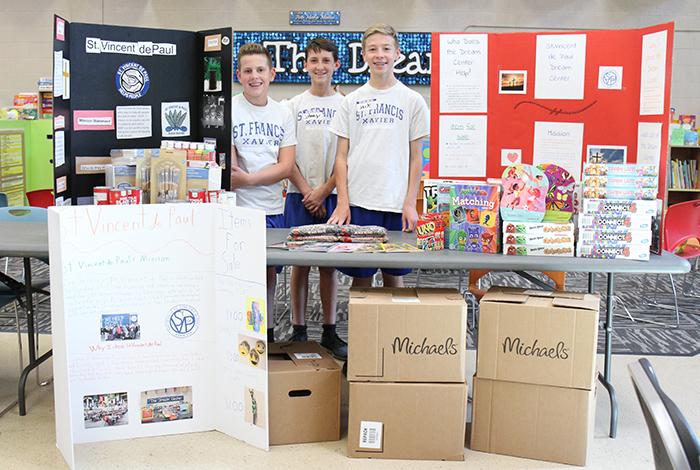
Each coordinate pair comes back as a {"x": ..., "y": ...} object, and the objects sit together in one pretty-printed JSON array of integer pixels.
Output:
[{"x": 430, "y": 232}]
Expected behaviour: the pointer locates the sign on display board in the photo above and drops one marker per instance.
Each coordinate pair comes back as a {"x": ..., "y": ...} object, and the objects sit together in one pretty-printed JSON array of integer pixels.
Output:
[
  {"x": 158, "y": 316},
  {"x": 287, "y": 49}
]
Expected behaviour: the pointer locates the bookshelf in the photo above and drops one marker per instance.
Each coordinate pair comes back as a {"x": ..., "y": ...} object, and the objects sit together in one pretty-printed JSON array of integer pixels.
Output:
[
  {"x": 12, "y": 181},
  {"x": 684, "y": 174}
]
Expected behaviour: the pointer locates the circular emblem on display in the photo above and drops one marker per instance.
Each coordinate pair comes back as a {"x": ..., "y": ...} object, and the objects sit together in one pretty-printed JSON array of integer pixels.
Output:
[
  {"x": 610, "y": 78},
  {"x": 225, "y": 40},
  {"x": 182, "y": 321},
  {"x": 132, "y": 80}
]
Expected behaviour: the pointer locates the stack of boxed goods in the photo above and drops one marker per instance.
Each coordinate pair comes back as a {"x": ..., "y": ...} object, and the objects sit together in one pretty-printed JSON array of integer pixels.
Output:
[
  {"x": 178, "y": 171},
  {"x": 304, "y": 384},
  {"x": 406, "y": 368},
  {"x": 618, "y": 207},
  {"x": 534, "y": 387},
  {"x": 538, "y": 238}
]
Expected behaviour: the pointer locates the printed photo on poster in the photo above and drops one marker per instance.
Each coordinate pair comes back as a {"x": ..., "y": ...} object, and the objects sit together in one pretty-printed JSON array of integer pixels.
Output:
[
  {"x": 120, "y": 327},
  {"x": 255, "y": 315},
  {"x": 212, "y": 43},
  {"x": 175, "y": 119},
  {"x": 166, "y": 404},
  {"x": 606, "y": 154},
  {"x": 212, "y": 74},
  {"x": 254, "y": 412},
  {"x": 105, "y": 410},
  {"x": 213, "y": 111},
  {"x": 251, "y": 351},
  {"x": 512, "y": 82}
]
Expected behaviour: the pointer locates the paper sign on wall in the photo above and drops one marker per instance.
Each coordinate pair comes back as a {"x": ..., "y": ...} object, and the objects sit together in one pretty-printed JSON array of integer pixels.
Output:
[
  {"x": 462, "y": 146},
  {"x": 560, "y": 143},
  {"x": 59, "y": 148},
  {"x": 463, "y": 73},
  {"x": 57, "y": 74},
  {"x": 153, "y": 322},
  {"x": 653, "y": 82},
  {"x": 175, "y": 119},
  {"x": 649, "y": 143},
  {"x": 560, "y": 66},
  {"x": 134, "y": 122},
  {"x": 60, "y": 29},
  {"x": 93, "y": 120}
]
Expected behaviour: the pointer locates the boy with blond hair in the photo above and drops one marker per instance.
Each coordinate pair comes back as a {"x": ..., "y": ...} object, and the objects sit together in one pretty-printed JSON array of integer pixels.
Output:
[
  {"x": 311, "y": 195},
  {"x": 262, "y": 150},
  {"x": 378, "y": 162}
]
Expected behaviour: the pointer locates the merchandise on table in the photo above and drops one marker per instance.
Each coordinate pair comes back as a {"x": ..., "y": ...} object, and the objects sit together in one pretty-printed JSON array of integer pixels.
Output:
[
  {"x": 525, "y": 190},
  {"x": 538, "y": 228},
  {"x": 473, "y": 218},
  {"x": 196, "y": 195},
  {"x": 120, "y": 176},
  {"x": 613, "y": 169},
  {"x": 627, "y": 220},
  {"x": 339, "y": 233},
  {"x": 430, "y": 232},
  {"x": 619, "y": 193},
  {"x": 560, "y": 195},
  {"x": 124, "y": 196},
  {"x": 562, "y": 249},
  {"x": 609, "y": 182},
  {"x": 605, "y": 251},
  {"x": 538, "y": 239},
  {"x": 607, "y": 206},
  {"x": 430, "y": 194},
  {"x": 168, "y": 176},
  {"x": 615, "y": 237},
  {"x": 203, "y": 178},
  {"x": 100, "y": 195}
]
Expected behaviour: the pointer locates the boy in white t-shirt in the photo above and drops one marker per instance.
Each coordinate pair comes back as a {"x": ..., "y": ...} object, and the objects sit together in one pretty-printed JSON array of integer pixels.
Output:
[
  {"x": 262, "y": 150},
  {"x": 311, "y": 196},
  {"x": 378, "y": 162}
]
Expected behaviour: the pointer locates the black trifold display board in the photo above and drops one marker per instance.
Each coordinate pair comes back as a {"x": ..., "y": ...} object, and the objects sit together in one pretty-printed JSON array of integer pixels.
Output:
[{"x": 115, "y": 66}]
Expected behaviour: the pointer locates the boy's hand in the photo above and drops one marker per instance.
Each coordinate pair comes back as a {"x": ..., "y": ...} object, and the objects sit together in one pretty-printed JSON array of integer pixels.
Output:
[
  {"x": 341, "y": 215},
  {"x": 409, "y": 218},
  {"x": 239, "y": 178},
  {"x": 314, "y": 199},
  {"x": 320, "y": 213}
]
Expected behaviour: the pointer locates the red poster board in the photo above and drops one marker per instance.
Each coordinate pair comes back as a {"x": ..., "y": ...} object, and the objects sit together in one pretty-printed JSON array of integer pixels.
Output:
[{"x": 610, "y": 117}]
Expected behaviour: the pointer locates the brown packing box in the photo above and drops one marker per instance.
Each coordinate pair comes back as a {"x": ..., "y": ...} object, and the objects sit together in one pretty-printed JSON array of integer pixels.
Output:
[
  {"x": 407, "y": 335},
  {"x": 533, "y": 421},
  {"x": 407, "y": 420},
  {"x": 304, "y": 387},
  {"x": 538, "y": 337}
]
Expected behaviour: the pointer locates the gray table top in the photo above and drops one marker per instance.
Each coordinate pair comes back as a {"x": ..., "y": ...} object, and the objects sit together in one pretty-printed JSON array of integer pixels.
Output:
[{"x": 30, "y": 239}]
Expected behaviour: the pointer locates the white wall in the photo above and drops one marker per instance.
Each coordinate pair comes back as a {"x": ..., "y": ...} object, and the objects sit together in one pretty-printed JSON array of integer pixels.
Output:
[{"x": 26, "y": 26}]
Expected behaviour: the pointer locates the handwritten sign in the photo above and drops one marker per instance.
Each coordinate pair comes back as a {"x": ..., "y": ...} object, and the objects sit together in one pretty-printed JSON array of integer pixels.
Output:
[
  {"x": 560, "y": 66},
  {"x": 463, "y": 73},
  {"x": 653, "y": 83},
  {"x": 325, "y": 17},
  {"x": 462, "y": 146},
  {"x": 649, "y": 143}
]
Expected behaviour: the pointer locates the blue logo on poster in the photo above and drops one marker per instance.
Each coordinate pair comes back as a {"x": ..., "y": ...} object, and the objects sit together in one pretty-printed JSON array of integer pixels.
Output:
[
  {"x": 183, "y": 321},
  {"x": 132, "y": 80}
]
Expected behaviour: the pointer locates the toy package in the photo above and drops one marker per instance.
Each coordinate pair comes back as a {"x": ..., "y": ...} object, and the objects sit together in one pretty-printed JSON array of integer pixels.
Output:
[
  {"x": 601, "y": 251},
  {"x": 559, "y": 202},
  {"x": 604, "y": 192},
  {"x": 565, "y": 249},
  {"x": 609, "y": 206},
  {"x": 619, "y": 169},
  {"x": 430, "y": 194},
  {"x": 538, "y": 228},
  {"x": 538, "y": 239},
  {"x": 619, "y": 220},
  {"x": 620, "y": 181},
  {"x": 525, "y": 191},
  {"x": 430, "y": 232},
  {"x": 615, "y": 237},
  {"x": 473, "y": 217}
]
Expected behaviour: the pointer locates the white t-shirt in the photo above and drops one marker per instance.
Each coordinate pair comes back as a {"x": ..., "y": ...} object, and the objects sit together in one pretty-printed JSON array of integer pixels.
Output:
[
  {"x": 380, "y": 125},
  {"x": 258, "y": 133},
  {"x": 315, "y": 152}
]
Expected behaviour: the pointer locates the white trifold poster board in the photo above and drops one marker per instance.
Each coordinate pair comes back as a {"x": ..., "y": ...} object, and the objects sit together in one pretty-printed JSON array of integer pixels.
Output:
[{"x": 158, "y": 321}]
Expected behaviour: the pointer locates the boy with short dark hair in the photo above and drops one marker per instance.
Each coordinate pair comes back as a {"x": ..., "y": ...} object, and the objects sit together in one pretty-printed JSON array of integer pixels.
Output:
[
  {"x": 378, "y": 162},
  {"x": 311, "y": 196},
  {"x": 262, "y": 150}
]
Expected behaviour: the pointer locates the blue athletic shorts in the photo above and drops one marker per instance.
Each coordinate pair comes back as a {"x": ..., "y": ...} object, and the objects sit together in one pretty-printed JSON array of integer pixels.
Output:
[
  {"x": 295, "y": 214},
  {"x": 388, "y": 220},
  {"x": 275, "y": 221}
]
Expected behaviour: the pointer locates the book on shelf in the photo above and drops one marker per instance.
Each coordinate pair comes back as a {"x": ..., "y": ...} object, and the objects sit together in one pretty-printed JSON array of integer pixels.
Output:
[{"x": 684, "y": 174}]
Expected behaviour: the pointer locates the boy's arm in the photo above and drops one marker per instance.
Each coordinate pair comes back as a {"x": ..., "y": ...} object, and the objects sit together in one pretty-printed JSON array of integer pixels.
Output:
[
  {"x": 341, "y": 214},
  {"x": 268, "y": 175},
  {"x": 410, "y": 215},
  {"x": 298, "y": 180}
]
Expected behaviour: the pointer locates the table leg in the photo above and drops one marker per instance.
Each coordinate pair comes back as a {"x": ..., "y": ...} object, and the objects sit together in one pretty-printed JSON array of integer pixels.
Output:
[
  {"x": 33, "y": 361},
  {"x": 605, "y": 378},
  {"x": 591, "y": 282}
]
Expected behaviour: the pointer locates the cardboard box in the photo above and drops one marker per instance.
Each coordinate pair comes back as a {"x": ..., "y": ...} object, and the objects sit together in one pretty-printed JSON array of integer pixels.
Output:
[
  {"x": 407, "y": 420},
  {"x": 304, "y": 387},
  {"x": 533, "y": 421},
  {"x": 538, "y": 337},
  {"x": 407, "y": 335}
]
